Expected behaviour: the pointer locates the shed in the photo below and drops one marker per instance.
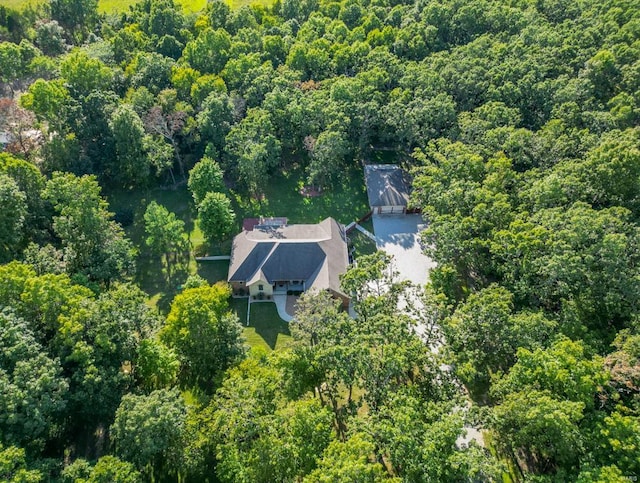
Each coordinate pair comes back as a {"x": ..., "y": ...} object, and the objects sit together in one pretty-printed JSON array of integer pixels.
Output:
[{"x": 387, "y": 188}]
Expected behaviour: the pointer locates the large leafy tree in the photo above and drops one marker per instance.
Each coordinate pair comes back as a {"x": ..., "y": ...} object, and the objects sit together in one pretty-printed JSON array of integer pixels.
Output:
[
  {"x": 165, "y": 233},
  {"x": 205, "y": 177},
  {"x": 14, "y": 468},
  {"x": 132, "y": 163},
  {"x": 485, "y": 332},
  {"x": 209, "y": 52},
  {"x": 205, "y": 334},
  {"x": 349, "y": 461},
  {"x": 78, "y": 17},
  {"x": 150, "y": 431},
  {"x": 215, "y": 119},
  {"x": 31, "y": 182},
  {"x": 33, "y": 396},
  {"x": 253, "y": 150},
  {"x": 93, "y": 244},
  {"x": 12, "y": 217},
  {"x": 216, "y": 217},
  {"x": 543, "y": 400}
]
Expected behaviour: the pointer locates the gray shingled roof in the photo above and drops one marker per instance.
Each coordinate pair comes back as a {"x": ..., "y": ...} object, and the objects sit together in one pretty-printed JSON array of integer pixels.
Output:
[
  {"x": 387, "y": 185},
  {"x": 314, "y": 253}
]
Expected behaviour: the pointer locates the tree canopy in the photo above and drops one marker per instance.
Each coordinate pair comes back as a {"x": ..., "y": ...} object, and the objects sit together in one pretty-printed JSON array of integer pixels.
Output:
[{"x": 518, "y": 124}]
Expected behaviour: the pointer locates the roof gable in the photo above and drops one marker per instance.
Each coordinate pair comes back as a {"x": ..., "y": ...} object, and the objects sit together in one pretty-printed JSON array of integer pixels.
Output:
[
  {"x": 315, "y": 253},
  {"x": 387, "y": 185},
  {"x": 293, "y": 261},
  {"x": 251, "y": 262}
]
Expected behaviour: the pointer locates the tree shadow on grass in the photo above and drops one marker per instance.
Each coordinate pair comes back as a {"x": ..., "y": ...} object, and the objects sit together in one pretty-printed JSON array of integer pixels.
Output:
[
  {"x": 213, "y": 270},
  {"x": 266, "y": 322},
  {"x": 345, "y": 200},
  {"x": 152, "y": 277}
]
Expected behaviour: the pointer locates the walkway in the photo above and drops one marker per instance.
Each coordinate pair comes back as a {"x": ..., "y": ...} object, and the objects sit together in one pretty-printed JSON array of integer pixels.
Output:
[{"x": 281, "y": 304}]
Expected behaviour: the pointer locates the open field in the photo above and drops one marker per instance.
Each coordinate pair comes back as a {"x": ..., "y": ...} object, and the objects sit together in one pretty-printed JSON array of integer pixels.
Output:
[
  {"x": 266, "y": 329},
  {"x": 19, "y": 4},
  {"x": 117, "y": 6}
]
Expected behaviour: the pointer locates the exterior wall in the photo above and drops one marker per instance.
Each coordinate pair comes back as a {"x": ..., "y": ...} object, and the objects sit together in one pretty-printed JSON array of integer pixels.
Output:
[{"x": 268, "y": 288}]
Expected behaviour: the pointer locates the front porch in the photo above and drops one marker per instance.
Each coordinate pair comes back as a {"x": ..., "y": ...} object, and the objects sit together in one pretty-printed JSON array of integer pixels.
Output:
[{"x": 290, "y": 287}]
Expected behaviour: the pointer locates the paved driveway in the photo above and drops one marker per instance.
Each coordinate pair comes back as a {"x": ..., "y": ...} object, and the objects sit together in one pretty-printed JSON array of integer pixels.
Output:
[{"x": 399, "y": 235}]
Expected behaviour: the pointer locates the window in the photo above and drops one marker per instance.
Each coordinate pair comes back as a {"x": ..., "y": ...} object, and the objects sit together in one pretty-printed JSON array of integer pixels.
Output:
[{"x": 260, "y": 287}]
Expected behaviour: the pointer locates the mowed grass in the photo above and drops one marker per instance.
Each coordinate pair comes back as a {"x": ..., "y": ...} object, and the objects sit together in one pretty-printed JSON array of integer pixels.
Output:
[
  {"x": 20, "y": 4},
  {"x": 345, "y": 200},
  {"x": 266, "y": 329},
  {"x": 362, "y": 244},
  {"x": 117, "y": 6},
  {"x": 241, "y": 3}
]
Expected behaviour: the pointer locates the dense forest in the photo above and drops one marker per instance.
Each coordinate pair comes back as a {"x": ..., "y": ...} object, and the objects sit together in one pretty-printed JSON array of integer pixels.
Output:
[{"x": 518, "y": 120}]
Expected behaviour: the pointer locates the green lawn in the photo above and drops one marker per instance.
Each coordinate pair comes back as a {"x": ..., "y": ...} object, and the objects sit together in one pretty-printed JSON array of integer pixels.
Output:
[
  {"x": 115, "y": 6},
  {"x": 346, "y": 200},
  {"x": 266, "y": 328},
  {"x": 150, "y": 273},
  {"x": 20, "y": 4},
  {"x": 241, "y": 3},
  {"x": 362, "y": 244},
  {"x": 213, "y": 271}
]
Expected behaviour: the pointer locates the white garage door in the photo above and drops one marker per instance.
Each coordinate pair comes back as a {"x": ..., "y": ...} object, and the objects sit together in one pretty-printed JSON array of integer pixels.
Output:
[{"x": 390, "y": 209}]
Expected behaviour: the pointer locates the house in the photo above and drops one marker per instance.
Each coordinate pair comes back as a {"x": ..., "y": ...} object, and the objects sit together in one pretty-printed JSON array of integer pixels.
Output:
[
  {"x": 278, "y": 259},
  {"x": 387, "y": 188}
]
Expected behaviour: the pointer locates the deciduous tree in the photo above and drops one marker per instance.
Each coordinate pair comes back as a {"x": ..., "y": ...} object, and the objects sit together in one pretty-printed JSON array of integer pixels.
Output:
[
  {"x": 215, "y": 216},
  {"x": 165, "y": 233},
  {"x": 205, "y": 177},
  {"x": 204, "y": 333}
]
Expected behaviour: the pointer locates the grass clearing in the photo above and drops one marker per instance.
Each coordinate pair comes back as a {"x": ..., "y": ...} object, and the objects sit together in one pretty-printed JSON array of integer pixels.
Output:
[
  {"x": 151, "y": 275},
  {"x": 266, "y": 329},
  {"x": 345, "y": 201},
  {"x": 361, "y": 244},
  {"x": 115, "y": 6},
  {"x": 188, "y": 6},
  {"x": 118, "y": 6},
  {"x": 21, "y": 4},
  {"x": 235, "y": 4},
  {"x": 213, "y": 270}
]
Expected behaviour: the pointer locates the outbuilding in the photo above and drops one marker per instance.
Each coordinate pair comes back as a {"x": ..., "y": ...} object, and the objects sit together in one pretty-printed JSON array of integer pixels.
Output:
[{"x": 387, "y": 188}]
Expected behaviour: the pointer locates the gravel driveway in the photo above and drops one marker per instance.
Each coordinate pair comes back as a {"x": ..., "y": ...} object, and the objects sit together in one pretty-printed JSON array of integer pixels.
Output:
[{"x": 399, "y": 235}]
